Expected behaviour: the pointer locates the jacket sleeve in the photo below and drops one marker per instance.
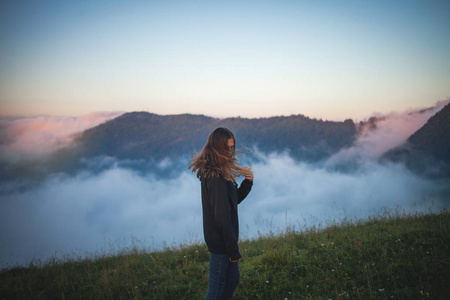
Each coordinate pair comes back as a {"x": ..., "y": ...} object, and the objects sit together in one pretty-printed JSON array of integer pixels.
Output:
[
  {"x": 244, "y": 189},
  {"x": 222, "y": 216}
]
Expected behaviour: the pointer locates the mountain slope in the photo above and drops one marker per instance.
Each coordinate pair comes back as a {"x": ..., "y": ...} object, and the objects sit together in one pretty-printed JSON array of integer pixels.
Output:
[
  {"x": 434, "y": 137},
  {"x": 427, "y": 151}
]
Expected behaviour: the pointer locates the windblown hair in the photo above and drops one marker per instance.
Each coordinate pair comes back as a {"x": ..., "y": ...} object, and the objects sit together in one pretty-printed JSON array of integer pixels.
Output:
[{"x": 215, "y": 160}]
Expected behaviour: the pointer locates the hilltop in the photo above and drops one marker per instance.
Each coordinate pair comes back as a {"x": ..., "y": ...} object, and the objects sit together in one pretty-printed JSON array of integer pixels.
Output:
[{"x": 390, "y": 256}]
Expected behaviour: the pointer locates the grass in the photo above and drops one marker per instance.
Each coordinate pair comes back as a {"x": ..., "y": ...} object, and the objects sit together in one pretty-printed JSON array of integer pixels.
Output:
[{"x": 392, "y": 256}]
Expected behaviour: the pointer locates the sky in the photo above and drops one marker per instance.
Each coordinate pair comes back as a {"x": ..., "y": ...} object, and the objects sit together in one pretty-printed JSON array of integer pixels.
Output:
[{"x": 323, "y": 59}]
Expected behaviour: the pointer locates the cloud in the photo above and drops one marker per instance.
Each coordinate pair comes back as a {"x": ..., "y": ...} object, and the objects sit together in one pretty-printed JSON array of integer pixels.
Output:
[
  {"x": 297, "y": 194},
  {"x": 391, "y": 131},
  {"x": 87, "y": 212},
  {"x": 90, "y": 212},
  {"x": 32, "y": 138}
]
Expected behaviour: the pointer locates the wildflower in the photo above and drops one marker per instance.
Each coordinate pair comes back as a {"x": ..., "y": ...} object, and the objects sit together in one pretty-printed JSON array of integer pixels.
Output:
[
  {"x": 380, "y": 290},
  {"x": 267, "y": 281}
]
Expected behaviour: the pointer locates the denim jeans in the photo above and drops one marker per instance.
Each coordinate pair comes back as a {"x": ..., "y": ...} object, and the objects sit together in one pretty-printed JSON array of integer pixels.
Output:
[{"x": 223, "y": 277}]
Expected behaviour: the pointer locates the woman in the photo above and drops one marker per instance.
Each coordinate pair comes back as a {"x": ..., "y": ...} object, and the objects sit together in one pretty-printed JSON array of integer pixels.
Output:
[{"x": 216, "y": 167}]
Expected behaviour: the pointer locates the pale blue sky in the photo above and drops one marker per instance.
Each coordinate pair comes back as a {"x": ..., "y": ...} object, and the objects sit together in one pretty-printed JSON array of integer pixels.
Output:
[{"x": 324, "y": 59}]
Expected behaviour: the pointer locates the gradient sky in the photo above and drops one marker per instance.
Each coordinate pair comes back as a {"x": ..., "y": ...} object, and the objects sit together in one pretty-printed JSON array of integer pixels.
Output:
[{"x": 324, "y": 59}]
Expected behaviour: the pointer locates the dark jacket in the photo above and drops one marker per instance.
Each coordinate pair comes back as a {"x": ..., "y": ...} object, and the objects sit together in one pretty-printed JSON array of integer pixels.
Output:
[{"x": 220, "y": 199}]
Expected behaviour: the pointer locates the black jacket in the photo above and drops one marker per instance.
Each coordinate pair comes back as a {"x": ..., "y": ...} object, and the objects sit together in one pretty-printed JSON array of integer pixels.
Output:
[{"x": 220, "y": 199}]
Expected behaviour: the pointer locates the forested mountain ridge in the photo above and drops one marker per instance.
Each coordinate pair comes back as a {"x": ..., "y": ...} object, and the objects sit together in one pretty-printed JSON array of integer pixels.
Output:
[
  {"x": 142, "y": 135},
  {"x": 140, "y": 140}
]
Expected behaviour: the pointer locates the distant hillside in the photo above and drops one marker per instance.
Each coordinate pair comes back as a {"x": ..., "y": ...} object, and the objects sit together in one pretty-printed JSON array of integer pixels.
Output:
[
  {"x": 427, "y": 151},
  {"x": 140, "y": 140},
  {"x": 141, "y": 135}
]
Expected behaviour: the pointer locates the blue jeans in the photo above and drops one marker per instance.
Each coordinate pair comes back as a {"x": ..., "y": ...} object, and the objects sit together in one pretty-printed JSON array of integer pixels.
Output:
[{"x": 223, "y": 277}]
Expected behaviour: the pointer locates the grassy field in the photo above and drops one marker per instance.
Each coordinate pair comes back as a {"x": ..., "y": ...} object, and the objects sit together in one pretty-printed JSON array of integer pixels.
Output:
[{"x": 391, "y": 256}]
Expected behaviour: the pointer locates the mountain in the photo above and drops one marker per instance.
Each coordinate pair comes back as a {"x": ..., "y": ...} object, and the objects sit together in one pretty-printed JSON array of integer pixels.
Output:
[
  {"x": 142, "y": 135},
  {"x": 147, "y": 142},
  {"x": 427, "y": 151}
]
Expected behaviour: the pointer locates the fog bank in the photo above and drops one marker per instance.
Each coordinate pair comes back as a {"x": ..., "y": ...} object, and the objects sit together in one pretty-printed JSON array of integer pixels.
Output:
[{"x": 111, "y": 210}]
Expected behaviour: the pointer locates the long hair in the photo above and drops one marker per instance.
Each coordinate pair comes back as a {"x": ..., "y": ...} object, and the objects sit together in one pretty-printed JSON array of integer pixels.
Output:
[{"x": 215, "y": 159}]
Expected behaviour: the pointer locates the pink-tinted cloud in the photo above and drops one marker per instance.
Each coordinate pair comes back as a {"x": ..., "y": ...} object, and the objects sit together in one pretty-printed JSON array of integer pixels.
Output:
[
  {"x": 30, "y": 138},
  {"x": 391, "y": 131}
]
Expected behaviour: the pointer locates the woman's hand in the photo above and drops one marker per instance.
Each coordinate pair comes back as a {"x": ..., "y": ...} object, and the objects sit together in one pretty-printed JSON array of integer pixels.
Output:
[
  {"x": 235, "y": 260},
  {"x": 249, "y": 177}
]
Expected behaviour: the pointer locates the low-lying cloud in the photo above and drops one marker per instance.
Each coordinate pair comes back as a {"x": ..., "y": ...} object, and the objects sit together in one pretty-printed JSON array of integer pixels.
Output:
[
  {"x": 86, "y": 213},
  {"x": 111, "y": 209}
]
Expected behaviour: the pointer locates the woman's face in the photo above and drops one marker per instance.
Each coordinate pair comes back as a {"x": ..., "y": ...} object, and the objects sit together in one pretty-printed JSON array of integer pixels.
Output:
[{"x": 230, "y": 147}]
